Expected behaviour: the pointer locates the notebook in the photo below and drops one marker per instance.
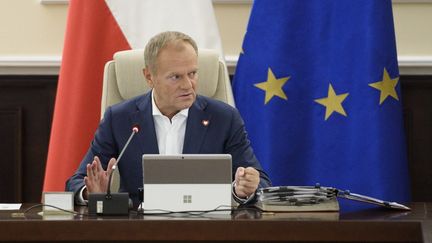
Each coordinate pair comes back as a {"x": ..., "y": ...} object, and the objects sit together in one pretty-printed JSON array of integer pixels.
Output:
[{"x": 187, "y": 182}]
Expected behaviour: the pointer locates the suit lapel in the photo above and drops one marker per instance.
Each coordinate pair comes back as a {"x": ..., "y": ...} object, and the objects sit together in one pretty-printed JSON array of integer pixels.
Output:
[
  {"x": 196, "y": 127},
  {"x": 144, "y": 118}
]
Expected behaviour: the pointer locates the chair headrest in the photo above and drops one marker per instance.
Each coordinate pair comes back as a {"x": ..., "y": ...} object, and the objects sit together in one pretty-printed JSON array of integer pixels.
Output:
[{"x": 131, "y": 81}]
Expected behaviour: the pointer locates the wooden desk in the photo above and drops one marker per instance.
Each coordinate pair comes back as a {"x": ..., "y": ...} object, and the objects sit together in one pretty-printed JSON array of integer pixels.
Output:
[{"x": 370, "y": 225}]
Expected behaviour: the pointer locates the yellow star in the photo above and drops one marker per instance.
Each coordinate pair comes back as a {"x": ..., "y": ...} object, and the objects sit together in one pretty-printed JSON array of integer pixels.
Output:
[
  {"x": 333, "y": 102},
  {"x": 273, "y": 86},
  {"x": 387, "y": 86}
]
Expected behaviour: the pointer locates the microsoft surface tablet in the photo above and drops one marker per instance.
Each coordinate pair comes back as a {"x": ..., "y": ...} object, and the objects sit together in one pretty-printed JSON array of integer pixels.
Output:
[{"x": 186, "y": 182}]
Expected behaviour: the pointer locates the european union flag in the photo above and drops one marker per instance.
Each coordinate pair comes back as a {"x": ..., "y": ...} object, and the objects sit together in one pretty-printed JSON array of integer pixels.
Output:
[{"x": 317, "y": 84}]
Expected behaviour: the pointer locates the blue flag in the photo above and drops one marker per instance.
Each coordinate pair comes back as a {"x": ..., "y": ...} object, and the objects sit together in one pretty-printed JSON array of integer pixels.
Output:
[{"x": 317, "y": 84}]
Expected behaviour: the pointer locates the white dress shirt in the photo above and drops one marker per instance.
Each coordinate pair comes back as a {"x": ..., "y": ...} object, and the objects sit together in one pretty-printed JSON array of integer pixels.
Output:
[{"x": 169, "y": 133}]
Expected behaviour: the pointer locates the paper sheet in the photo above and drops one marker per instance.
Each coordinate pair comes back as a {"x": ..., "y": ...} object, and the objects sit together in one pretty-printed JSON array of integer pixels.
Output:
[{"x": 10, "y": 206}]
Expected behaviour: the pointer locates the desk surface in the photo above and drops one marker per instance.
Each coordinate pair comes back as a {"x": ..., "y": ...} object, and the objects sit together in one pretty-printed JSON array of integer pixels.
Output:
[{"x": 367, "y": 225}]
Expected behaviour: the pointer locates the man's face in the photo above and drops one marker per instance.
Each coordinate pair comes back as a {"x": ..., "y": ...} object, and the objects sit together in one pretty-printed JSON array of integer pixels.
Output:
[{"x": 175, "y": 78}]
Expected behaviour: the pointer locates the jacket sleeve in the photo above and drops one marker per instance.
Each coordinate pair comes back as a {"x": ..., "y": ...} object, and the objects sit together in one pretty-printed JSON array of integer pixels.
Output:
[
  {"x": 103, "y": 146},
  {"x": 238, "y": 145}
]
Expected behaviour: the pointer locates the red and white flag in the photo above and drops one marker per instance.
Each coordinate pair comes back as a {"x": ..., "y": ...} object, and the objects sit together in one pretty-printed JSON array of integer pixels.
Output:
[{"x": 95, "y": 30}]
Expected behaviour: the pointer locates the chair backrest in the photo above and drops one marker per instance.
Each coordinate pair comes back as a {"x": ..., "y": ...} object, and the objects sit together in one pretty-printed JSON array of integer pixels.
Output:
[{"x": 124, "y": 78}]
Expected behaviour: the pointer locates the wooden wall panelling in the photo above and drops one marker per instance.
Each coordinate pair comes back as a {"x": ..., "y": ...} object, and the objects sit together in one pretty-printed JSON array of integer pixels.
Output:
[
  {"x": 34, "y": 95},
  {"x": 10, "y": 152},
  {"x": 417, "y": 105}
]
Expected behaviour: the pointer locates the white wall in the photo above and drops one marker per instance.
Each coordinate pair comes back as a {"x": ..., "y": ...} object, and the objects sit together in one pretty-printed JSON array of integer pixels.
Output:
[{"x": 28, "y": 28}]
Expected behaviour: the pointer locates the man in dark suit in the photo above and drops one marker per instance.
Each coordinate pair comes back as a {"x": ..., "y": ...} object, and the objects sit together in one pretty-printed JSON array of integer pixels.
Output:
[{"x": 173, "y": 119}]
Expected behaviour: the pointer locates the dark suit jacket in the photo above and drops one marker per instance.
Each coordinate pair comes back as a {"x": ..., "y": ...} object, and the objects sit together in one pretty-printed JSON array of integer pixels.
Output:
[{"x": 224, "y": 134}]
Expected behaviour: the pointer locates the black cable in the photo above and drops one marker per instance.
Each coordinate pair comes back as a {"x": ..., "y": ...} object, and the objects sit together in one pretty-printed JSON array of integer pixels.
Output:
[
  {"x": 140, "y": 211},
  {"x": 52, "y": 206},
  {"x": 189, "y": 212}
]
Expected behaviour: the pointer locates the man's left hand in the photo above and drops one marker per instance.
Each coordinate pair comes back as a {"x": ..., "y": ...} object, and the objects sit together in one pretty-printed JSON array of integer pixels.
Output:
[{"x": 246, "y": 181}]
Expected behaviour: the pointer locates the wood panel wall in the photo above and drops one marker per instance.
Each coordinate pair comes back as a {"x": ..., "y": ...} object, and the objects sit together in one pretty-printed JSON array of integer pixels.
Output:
[
  {"x": 26, "y": 109},
  {"x": 417, "y": 109}
]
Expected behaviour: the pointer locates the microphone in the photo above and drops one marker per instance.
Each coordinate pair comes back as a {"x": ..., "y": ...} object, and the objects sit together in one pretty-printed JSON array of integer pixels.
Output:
[
  {"x": 112, "y": 203},
  {"x": 135, "y": 130}
]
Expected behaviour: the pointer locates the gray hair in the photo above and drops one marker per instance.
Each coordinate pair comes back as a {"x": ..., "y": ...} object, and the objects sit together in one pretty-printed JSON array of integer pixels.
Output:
[{"x": 159, "y": 41}]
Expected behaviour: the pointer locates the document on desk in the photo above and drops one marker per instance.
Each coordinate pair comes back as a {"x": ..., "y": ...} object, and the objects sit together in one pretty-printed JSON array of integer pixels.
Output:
[
  {"x": 312, "y": 198},
  {"x": 10, "y": 206},
  {"x": 297, "y": 199}
]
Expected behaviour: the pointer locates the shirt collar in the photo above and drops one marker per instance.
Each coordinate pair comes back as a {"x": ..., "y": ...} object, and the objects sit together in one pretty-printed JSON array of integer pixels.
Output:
[{"x": 157, "y": 112}]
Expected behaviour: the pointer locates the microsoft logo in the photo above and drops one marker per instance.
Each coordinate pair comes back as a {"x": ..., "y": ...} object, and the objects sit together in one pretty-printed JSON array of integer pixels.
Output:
[{"x": 187, "y": 198}]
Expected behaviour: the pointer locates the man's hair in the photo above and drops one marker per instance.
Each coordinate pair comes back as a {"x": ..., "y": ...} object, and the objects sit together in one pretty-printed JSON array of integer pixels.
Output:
[{"x": 159, "y": 41}]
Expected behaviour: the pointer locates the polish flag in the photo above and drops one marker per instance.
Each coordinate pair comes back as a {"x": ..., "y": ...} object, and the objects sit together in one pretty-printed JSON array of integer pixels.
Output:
[{"x": 95, "y": 30}]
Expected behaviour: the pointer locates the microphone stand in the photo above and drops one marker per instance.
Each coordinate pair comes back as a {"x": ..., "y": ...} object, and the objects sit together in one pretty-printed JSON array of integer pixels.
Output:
[
  {"x": 114, "y": 167},
  {"x": 111, "y": 203}
]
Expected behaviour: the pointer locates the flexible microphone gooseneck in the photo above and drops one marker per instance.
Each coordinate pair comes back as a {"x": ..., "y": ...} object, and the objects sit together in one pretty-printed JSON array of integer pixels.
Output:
[
  {"x": 111, "y": 203},
  {"x": 135, "y": 130}
]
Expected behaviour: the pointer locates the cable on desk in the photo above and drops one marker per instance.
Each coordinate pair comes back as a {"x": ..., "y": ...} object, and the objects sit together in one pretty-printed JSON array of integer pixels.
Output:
[
  {"x": 140, "y": 211},
  {"x": 52, "y": 206},
  {"x": 220, "y": 208}
]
